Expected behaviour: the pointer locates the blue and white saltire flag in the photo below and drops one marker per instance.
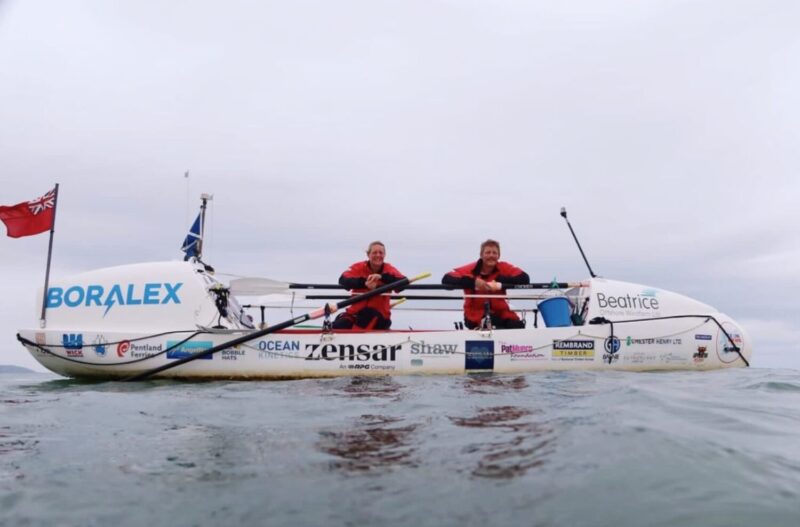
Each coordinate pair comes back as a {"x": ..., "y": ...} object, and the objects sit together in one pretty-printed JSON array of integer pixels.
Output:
[{"x": 191, "y": 244}]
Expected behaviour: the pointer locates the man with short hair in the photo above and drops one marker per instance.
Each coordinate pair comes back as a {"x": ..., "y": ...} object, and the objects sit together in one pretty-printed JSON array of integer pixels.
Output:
[
  {"x": 363, "y": 276},
  {"x": 487, "y": 276}
]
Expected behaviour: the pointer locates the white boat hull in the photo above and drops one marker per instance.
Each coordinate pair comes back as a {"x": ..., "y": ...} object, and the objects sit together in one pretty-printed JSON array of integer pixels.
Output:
[
  {"x": 658, "y": 345},
  {"x": 119, "y": 322}
]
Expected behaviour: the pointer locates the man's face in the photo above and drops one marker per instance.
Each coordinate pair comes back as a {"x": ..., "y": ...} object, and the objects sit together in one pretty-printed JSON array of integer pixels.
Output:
[
  {"x": 490, "y": 254},
  {"x": 376, "y": 255}
]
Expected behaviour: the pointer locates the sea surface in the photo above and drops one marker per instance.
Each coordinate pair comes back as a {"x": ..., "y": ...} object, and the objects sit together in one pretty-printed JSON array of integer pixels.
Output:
[{"x": 552, "y": 449}]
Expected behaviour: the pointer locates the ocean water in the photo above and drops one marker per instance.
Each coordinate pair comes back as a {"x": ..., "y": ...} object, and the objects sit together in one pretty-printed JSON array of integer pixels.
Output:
[{"x": 551, "y": 449}]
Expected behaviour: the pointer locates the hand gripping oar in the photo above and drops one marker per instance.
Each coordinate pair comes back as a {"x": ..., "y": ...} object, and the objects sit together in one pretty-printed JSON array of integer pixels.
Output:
[{"x": 327, "y": 309}]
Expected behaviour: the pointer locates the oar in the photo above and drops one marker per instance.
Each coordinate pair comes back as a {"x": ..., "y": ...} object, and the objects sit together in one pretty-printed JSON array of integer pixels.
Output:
[
  {"x": 330, "y": 308},
  {"x": 439, "y": 297},
  {"x": 447, "y": 287},
  {"x": 265, "y": 286}
]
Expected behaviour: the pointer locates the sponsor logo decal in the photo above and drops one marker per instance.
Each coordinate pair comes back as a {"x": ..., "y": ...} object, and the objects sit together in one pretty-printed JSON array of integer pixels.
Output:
[
  {"x": 671, "y": 358},
  {"x": 351, "y": 352},
  {"x": 521, "y": 352},
  {"x": 479, "y": 355},
  {"x": 702, "y": 337},
  {"x": 279, "y": 345},
  {"x": 650, "y": 357},
  {"x": 643, "y": 303},
  {"x": 573, "y": 350},
  {"x": 433, "y": 350},
  {"x": 701, "y": 354},
  {"x": 638, "y": 357},
  {"x": 188, "y": 349},
  {"x": 726, "y": 351},
  {"x": 573, "y": 344},
  {"x": 155, "y": 293},
  {"x": 72, "y": 340},
  {"x": 231, "y": 354},
  {"x": 278, "y": 349},
  {"x": 73, "y": 344},
  {"x": 630, "y": 341},
  {"x": 573, "y": 354},
  {"x": 611, "y": 345},
  {"x": 138, "y": 351},
  {"x": 515, "y": 348},
  {"x": 725, "y": 344},
  {"x": 99, "y": 344}
]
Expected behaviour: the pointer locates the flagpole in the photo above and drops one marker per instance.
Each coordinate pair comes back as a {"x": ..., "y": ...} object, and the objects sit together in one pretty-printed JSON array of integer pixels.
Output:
[{"x": 42, "y": 319}]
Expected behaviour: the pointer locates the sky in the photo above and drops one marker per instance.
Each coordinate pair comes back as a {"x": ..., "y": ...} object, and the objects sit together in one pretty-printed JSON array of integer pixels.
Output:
[{"x": 670, "y": 130}]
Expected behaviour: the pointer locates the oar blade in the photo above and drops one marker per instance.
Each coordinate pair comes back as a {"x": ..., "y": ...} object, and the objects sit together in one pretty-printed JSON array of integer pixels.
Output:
[{"x": 257, "y": 286}]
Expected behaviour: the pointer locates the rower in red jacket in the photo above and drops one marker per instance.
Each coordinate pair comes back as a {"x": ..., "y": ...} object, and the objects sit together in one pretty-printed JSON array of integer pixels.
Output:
[
  {"x": 487, "y": 276},
  {"x": 364, "y": 276}
]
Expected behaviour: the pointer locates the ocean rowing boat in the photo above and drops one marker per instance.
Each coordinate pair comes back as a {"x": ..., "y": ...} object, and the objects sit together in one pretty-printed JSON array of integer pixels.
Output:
[{"x": 176, "y": 319}]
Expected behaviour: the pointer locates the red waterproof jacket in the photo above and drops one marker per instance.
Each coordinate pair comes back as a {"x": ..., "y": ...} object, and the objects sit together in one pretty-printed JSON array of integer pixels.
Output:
[
  {"x": 465, "y": 276},
  {"x": 355, "y": 279}
]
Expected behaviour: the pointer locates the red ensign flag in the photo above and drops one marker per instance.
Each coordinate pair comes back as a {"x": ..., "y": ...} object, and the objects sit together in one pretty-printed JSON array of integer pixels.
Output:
[{"x": 30, "y": 217}]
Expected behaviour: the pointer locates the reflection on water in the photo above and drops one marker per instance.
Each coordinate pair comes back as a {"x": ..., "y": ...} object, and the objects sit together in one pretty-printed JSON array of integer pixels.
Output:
[
  {"x": 11, "y": 442},
  {"x": 484, "y": 383},
  {"x": 372, "y": 387},
  {"x": 372, "y": 444},
  {"x": 15, "y": 445},
  {"x": 522, "y": 444},
  {"x": 16, "y": 401},
  {"x": 196, "y": 452},
  {"x": 60, "y": 384}
]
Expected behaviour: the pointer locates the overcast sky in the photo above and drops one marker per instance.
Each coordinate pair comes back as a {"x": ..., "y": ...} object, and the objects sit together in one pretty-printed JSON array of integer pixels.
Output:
[{"x": 669, "y": 129}]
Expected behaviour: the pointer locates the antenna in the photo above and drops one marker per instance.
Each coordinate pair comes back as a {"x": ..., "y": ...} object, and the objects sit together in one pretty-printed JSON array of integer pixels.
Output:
[
  {"x": 564, "y": 215},
  {"x": 188, "y": 218},
  {"x": 205, "y": 199}
]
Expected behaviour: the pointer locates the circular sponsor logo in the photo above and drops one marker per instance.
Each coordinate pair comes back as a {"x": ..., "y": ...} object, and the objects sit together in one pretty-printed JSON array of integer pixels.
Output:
[
  {"x": 612, "y": 345},
  {"x": 123, "y": 347},
  {"x": 726, "y": 351}
]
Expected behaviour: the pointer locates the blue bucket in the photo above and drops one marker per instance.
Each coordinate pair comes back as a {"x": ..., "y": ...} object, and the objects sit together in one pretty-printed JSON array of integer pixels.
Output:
[{"x": 555, "y": 312}]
